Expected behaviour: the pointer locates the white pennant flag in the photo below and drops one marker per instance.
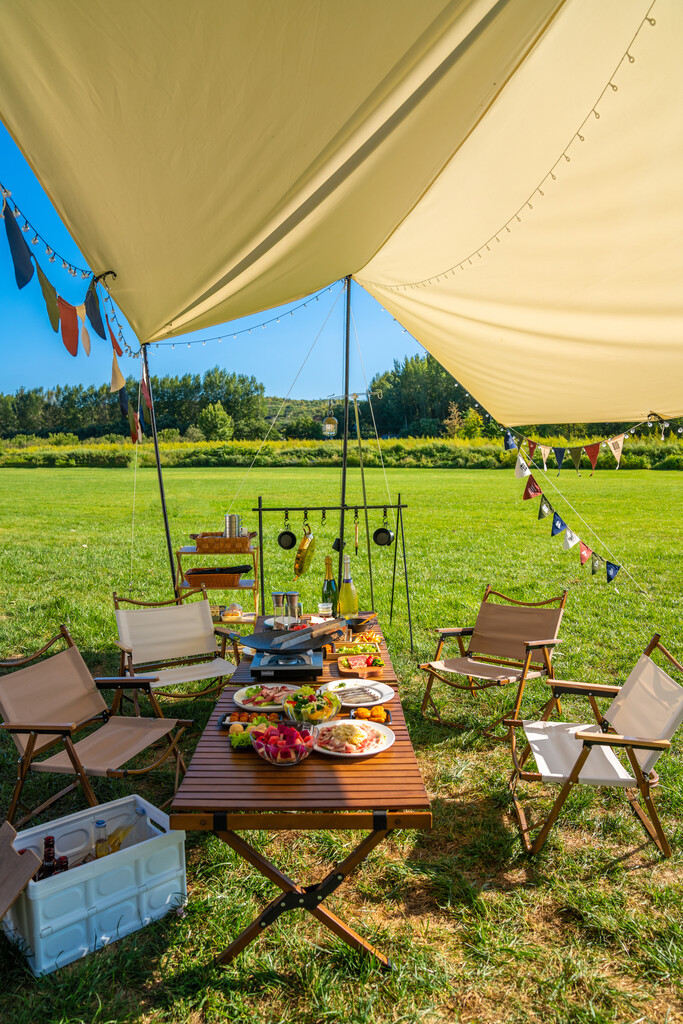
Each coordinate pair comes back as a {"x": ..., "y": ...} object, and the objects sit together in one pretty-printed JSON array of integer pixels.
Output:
[
  {"x": 85, "y": 337},
  {"x": 521, "y": 468},
  {"x": 545, "y": 452},
  {"x": 570, "y": 539},
  {"x": 616, "y": 445}
]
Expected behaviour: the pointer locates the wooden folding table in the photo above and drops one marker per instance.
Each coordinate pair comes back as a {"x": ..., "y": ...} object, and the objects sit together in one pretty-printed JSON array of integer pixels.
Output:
[{"x": 225, "y": 791}]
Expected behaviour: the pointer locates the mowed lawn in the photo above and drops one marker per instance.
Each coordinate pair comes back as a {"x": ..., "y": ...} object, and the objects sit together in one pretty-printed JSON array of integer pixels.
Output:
[{"x": 591, "y": 930}]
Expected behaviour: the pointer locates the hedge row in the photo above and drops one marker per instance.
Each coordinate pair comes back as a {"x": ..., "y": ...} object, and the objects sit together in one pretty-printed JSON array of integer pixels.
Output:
[{"x": 416, "y": 453}]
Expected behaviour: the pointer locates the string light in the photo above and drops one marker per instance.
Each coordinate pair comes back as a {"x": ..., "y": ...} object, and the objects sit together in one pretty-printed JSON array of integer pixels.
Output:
[{"x": 515, "y": 218}]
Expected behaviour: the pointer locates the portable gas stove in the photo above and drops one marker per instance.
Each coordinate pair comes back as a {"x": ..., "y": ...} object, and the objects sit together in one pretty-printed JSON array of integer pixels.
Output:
[{"x": 286, "y": 665}]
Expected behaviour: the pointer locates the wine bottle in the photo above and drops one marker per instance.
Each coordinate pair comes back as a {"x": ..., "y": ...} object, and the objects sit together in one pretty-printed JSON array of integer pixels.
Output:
[
  {"x": 330, "y": 586},
  {"x": 348, "y": 595}
]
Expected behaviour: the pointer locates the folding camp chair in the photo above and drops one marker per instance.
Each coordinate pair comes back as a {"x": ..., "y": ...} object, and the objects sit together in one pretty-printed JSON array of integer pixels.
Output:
[
  {"x": 174, "y": 641},
  {"x": 509, "y": 643},
  {"x": 45, "y": 703},
  {"x": 640, "y": 722}
]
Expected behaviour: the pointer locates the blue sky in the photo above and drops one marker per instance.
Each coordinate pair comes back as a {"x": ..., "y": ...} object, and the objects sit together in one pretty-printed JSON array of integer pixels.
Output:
[{"x": 34, "y": 356}]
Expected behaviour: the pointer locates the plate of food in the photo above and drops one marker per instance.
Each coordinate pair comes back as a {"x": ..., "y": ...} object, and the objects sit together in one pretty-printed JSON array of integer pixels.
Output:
[
  {"x": 360, "y": 664},
  {"x": 350, "y": 737},
  {"x": 260, "y": 697},
  {"x": 357, "y": 693},
  {"x": 309, "y": 704}
]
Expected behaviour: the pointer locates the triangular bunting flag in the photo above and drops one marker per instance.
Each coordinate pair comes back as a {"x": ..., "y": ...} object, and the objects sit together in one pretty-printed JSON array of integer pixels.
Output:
[
  {"x": 570, "y": 539},
  {"x": 123, "y": 403},
  {"x": 592, "y": 451},
  {"x": 612, "y": 570},
  {"x": 117, "y": 379},
  {"x": 532, "y": 448},
  {"x": 141, "y": 415},
  {"x": 145, "y": 389},
  {"x": 135, "y": 432},
  {"x": 115, "y": 344},
  {"x": 576, "y": 454},
  {"x": 584, "y": 553},
  {"x": 92, "y": 308},
  {"x": 85, "y": 337},
  {"x": 595, "y": 563},
  {"x": 558, "y": 525},
  {"x": 532, "y": 490},
  {"x": 545, "y": 452},
  {"x": 50, "y": 297},
  {"x": 509, "y": 442},
  {"x": 521, "y": 469},
  {"x": 545, "y": 508},
  {"x": 69, "y": 321},
  {"x": 616, "y": 445},
  {"x": 21, "y": 254},
  {"x": 559, "y": 456}
]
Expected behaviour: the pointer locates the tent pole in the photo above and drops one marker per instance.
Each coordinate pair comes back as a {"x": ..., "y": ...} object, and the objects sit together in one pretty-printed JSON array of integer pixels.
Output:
[
  {"x": 365, "y": 500},
  {"x": 345, "y": 444},
  {"x": 155, "y": 438}
]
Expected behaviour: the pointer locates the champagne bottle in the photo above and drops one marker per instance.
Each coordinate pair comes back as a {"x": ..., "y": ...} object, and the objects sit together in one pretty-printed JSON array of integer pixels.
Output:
[
  {"x": 348, "y": 595},
  {"x": 330, "y": 586},
  {"x": 101, "y": 841}
]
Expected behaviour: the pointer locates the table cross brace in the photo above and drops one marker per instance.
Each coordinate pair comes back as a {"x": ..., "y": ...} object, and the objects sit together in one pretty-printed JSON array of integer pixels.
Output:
[{"x": 298, "y": 897}]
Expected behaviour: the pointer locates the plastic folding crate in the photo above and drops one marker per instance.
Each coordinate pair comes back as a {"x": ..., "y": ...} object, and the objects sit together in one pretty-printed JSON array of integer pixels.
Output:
[{"x": 61, "y": 918}]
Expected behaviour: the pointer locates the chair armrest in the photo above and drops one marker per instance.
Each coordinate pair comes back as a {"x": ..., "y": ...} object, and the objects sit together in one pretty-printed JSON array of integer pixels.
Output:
[
  {"x": 123, "y": 647},
  {"x": 560, "y": 686},
  {"x": 612, "y": 739},
  {"x": 446, "y": 631},
  {"x": 66, "y": 728},
  {"x": 532, "y": 645},
  {"x": 229, "y": 633},
  {"x": 513, "y": 723},
  {"x": 125, "y": 682}
]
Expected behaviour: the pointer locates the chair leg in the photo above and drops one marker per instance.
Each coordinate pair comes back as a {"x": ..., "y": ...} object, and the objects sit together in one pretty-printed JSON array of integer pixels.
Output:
[
  {"x": 652, "y": 825},
  {"x": 23, "y": 765},
  {"x": 83, "y": 779},
  {"x": 538, "y": 843}
]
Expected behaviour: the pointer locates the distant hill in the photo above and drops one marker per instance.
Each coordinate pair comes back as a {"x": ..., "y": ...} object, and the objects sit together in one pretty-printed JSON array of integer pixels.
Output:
[{"x": 293, "y": 408}]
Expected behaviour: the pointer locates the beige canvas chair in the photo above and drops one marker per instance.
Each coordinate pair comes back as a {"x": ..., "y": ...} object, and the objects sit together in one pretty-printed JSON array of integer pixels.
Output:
[
  {"x": 510, "y": 642},
  {"x": 45, "y": 703},
  {"x": 639, "y": 724},
  {"x": 176, "y": 642}
]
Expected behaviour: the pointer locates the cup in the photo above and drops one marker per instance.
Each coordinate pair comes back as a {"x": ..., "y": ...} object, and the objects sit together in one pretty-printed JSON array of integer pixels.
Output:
[
  {"x": 325, "y": 609},
  {"x": 278, "y": 609}
]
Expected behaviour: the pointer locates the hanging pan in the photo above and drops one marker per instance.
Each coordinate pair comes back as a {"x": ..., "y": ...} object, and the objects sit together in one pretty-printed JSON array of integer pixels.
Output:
[
  {"x": 304, "y": 555},
  {"x": 383, "y": 535},
  {"x": 286, "y": 538}
]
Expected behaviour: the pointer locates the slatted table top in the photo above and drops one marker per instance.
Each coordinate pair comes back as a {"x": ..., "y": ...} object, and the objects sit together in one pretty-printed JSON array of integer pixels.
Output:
[{"x": 220, "y": 779}]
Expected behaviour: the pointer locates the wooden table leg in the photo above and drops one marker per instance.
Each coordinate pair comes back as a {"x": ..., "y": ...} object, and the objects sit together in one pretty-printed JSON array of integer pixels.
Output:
[{"x": 296, "y": 896}]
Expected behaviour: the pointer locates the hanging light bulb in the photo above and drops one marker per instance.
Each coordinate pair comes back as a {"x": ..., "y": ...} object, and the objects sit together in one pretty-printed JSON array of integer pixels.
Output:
[
  {"x": 6, "y": 193},
  {"x": 34, "y": 240},
  {"x": 26, "y": 227},
  {"x": 48, "y": 250},
  {"x": 84, "y": 275},
  {"x": 52, "y": 258}
]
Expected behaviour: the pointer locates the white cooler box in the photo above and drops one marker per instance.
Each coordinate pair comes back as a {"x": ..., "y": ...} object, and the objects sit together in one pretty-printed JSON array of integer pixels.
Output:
[{"x": 62, "y": 918}]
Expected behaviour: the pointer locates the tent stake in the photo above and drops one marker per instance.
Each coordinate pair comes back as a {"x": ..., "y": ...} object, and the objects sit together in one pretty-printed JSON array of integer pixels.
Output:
[{"x": 155, "y": 438}]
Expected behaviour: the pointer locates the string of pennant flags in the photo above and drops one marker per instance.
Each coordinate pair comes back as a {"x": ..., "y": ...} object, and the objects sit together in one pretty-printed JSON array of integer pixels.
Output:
[{"x": 615, "y": 444}]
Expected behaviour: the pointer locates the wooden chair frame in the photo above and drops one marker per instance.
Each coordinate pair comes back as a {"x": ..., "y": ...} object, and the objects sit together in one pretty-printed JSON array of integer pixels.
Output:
[
  {"x": 520, "y": 669},
  {"x": 127, "y": 667},
  {"x": 607, "y": 737},
  {"x": 67, "y": 730}
]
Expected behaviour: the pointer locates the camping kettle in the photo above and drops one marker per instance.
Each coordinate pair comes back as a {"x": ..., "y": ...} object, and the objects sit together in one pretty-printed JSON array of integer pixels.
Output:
[{"x": 233, "y": 526}]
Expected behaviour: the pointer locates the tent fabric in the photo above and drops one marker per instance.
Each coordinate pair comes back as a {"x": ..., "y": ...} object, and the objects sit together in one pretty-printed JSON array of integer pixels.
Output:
[{"x": 233, "y": 157}]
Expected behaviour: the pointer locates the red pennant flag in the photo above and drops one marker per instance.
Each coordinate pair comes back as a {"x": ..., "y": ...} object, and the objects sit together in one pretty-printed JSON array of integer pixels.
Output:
[
  {"x": 117, "y": 347},
  {"x": 592, "y": 451},
  {"x": 532, "y": 490},
  {"x": 69, "y": 321},
  {"x": 532, "y": 448},
  {"x": 584, "y": 552},
  {"x": 145, "y": 391}
]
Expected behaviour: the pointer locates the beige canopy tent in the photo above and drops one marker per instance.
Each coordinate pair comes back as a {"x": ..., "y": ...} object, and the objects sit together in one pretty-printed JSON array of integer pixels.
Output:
[{"x": 504, "y": 176}]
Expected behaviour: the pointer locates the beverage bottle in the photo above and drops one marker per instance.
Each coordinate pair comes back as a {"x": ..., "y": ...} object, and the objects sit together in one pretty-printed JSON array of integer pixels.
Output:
[
  {"x": 330, "y": 586},
  {"x": 49, "y": 862},
  {"x": 101, "y": 841},
  {"x": 62, "y": 865},
  {"x": 348, "y": 595},
  {"x": 117, "y": 835}
]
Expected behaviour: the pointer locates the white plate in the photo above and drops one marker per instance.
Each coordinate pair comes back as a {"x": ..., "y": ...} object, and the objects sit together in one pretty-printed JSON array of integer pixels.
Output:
[
  {"x": 241, "y": 694},
  {"x": 387, "y": 733},
  {"x": 289, "y": 620},
  {"x": 338, "y": 686},
  {"x": 247, "y": 652}
]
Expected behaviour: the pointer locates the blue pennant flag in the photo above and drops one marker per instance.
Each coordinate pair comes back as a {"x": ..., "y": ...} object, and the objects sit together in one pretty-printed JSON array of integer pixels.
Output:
[
  {"x": 612, "y": 570},
  {"x": 558, "y": 525},
  {"x": 559, "y": 455},
  {"x": 21, "y": 254},
  {"x": 141, "y": 414},
  {"x": 123, "y": 402},
  {"x": 509, "y": 441}
]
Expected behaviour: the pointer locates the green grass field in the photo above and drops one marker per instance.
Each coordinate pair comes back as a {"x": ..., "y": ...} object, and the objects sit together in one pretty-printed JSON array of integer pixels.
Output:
[{"x": 591, "y": 930}]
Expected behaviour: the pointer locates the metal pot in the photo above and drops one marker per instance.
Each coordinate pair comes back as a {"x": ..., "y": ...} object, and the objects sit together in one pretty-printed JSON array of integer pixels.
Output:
[
  {"x": 383, "y": 536},
  {"x": 233, "y": 525}
]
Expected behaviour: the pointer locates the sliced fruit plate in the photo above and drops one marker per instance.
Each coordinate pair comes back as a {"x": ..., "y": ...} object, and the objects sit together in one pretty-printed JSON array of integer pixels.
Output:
[
  {"x": 258, "y": 697},
  {"x": 351, "y": 738},
  {"x": 360, "y": 665},
  {"x": 356, "y": 692}
]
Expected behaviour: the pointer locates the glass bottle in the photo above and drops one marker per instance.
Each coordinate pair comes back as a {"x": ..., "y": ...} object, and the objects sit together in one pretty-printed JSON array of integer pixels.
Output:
[
  {"x": 101, "y": 841},
  {"x": 62, "y": 865},
  {"x": 117, "y": 835},
  {"x": 348, "y": 595},
  {"x": 330, "y": 586},
  {"x": 49, "y": 862}
]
